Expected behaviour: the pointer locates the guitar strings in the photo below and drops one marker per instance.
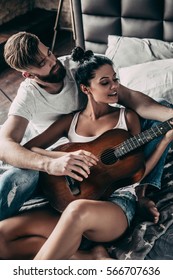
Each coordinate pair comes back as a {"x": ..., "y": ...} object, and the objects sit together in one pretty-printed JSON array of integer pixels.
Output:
[{"x": 135, "y": 142}]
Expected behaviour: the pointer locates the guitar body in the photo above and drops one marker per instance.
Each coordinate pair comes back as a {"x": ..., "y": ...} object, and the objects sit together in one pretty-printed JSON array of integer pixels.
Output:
[{"x": 110, "y": 173}]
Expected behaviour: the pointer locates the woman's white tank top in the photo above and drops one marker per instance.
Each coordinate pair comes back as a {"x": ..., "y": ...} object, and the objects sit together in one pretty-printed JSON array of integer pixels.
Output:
[{"x": 74, "y": 137}]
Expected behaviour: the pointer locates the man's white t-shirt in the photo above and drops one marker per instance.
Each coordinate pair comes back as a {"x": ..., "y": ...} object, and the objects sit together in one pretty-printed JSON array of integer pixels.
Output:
[{"x": 41, "y": 108}]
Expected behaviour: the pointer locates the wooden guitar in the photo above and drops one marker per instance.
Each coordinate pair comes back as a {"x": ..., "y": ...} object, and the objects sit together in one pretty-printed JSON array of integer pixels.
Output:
[{"x": 121, "y": 163}]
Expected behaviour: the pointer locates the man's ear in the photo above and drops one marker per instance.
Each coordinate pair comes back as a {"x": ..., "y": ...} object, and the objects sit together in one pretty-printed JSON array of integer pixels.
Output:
[
  {"x": 84, "y": 89},
  {"x": 27, "y": 75}
]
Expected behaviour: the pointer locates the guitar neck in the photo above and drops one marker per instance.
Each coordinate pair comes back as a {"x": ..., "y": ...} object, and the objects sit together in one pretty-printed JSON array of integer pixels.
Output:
[{"x": 142, "y": 138}]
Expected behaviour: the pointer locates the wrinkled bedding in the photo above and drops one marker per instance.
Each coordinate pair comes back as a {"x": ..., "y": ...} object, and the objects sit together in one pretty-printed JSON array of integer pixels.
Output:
[{"x": 141, "y": 237}]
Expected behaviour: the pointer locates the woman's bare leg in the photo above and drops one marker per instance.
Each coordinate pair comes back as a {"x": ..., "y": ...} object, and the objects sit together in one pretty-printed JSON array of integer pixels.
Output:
[
  {"x": 97, "y": 220},
  {"x": 23, "y": 235}
]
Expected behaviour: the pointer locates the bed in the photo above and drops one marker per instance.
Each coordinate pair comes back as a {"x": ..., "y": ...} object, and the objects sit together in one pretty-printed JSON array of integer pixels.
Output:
[{"x": 137, "y": 35}]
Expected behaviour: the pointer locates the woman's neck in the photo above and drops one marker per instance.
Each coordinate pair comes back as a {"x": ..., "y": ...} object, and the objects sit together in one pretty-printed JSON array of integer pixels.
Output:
[{"x": 96, "y": 111}]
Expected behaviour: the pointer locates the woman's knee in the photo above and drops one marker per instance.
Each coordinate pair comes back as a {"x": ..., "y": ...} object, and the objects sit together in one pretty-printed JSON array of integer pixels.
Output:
[{"x": 77, "y": 211}]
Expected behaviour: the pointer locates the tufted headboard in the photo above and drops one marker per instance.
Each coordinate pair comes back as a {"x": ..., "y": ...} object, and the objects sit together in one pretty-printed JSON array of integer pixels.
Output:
[{"x": 94, "y": 20}]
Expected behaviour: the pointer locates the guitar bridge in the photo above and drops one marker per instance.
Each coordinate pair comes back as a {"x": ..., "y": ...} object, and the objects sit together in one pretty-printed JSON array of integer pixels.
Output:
[{"x": 73, "y": 185}]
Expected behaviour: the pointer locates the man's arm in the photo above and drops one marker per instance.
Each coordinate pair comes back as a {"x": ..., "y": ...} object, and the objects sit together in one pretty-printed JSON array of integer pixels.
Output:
[
  {"x": 144, "y": 105},
  {"x": 12, "y": 152}
]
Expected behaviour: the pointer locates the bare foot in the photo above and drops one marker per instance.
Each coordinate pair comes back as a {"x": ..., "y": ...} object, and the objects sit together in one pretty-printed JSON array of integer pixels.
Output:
[
  {"x": 148, "y": 210},
  {"x": 97, "y": 253}
]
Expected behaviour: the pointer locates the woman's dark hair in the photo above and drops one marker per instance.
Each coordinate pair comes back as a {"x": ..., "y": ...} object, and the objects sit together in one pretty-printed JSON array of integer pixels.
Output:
[{"x": 88, "y": 64}]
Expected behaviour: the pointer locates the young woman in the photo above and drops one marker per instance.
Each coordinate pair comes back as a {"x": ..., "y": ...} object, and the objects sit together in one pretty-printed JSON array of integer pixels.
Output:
[{"x": 60, "y": 237}]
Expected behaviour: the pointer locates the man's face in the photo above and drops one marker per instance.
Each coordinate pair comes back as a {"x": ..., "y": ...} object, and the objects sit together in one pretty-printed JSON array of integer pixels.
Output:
[{"x": 49, "y": 68}]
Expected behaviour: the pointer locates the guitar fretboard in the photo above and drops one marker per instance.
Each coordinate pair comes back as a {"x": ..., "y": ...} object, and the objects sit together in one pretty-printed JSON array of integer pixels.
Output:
[{"x": 142, "y": 138}]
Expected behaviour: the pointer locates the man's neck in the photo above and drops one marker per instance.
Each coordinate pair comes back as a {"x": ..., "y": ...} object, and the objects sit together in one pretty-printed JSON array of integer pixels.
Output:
[{"x": 52, "y": 88}]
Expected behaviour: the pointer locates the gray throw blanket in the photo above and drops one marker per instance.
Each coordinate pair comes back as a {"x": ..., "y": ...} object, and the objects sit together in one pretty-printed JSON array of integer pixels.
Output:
[{"x": 142, "y": 235}]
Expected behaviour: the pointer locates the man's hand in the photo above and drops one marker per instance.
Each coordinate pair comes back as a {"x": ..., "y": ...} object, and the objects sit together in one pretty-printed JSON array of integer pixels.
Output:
[{"x": 78, "y": 161}]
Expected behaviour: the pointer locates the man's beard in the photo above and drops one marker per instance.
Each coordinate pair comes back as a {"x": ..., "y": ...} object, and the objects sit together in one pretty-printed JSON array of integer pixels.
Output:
[{"x": 56, "y": 77}]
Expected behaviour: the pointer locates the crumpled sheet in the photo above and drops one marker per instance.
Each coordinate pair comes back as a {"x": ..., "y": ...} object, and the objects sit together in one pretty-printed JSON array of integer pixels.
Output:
[{"x": 137, "y": 243}]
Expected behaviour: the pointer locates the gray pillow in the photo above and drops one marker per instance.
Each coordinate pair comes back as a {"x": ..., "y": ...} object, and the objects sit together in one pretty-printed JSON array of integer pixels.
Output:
[
  {"x": 154, "y": 78},
  {"x": 127, "y": 51}
]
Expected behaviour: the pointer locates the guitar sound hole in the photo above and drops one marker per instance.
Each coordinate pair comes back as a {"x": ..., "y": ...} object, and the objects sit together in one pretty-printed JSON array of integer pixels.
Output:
[{"x": 108, "y": 157}]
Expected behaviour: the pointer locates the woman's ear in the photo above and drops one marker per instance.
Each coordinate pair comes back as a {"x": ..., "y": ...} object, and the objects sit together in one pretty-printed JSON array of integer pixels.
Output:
[
  {"x": 27, "y": 75},
  {"x": 84, "y": 89}
]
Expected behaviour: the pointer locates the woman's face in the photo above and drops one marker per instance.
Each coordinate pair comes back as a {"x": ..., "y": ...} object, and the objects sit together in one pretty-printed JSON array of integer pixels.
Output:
[{"x": 104, "y": 85}]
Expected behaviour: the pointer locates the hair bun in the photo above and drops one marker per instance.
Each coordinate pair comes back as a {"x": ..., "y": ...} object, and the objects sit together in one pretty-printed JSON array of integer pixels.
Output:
[
  {"x": 88, "y": 54},
  {"x": 79, "y": 55}
]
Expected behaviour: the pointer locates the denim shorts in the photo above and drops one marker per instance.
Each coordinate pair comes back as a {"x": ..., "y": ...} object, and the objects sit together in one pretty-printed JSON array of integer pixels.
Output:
[{"x": 126, "y": 199}]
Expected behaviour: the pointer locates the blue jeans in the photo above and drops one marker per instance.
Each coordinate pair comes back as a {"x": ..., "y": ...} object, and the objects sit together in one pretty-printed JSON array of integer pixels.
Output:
[
  {"x": 16, "y": 187},
  {"x": 155, "y": 176}
]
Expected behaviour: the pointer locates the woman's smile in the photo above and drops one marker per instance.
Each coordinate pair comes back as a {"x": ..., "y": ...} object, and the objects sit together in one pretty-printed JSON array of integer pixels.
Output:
[{"x": 113, "y": 94}]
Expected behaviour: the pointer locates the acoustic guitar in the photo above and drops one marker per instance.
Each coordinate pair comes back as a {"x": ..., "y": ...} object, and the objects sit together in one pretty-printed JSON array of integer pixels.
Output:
[{"x": 121, "y": 163}]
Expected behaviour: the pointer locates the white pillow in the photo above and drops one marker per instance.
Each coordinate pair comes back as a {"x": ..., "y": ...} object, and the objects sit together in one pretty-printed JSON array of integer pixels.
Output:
[
  {"x": 127, "y": 51},
  {"x": 153, "y": 78}
]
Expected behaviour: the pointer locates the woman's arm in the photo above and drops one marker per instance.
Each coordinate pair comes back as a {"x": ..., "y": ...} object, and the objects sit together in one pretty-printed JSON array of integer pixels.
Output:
[
  {"x": 156, "y": 155},
  {"x": 48, "y": 153},
  {"x": 133, "y": 123},
  {"x": 134, "y": 128},
  {"x": 52, "y": 134},
  {"x": 143, "y": 105}
]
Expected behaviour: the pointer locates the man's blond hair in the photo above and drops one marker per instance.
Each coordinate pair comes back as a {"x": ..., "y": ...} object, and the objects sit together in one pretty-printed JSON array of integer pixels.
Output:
[{"x": 21, "y": 51}]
